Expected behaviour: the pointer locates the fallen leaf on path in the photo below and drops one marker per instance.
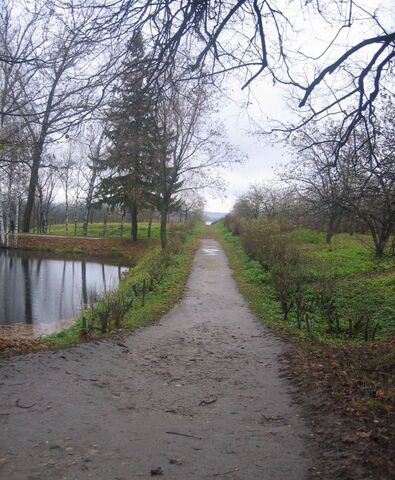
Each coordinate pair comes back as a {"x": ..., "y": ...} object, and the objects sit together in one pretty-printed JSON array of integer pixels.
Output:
[
  {"x": 349, "y": 439},
  {"x": 4, "y": 458},
  {"x": 207, "y": 402}
]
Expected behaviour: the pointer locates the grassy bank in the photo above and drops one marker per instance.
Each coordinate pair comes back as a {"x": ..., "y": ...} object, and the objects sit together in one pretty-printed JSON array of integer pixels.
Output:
[
  {"x": 148, "y": 291},
  {"x": 112, "y": 230},
  {"x": 349, "y": 383},
  {"x": 345, "y": 295},
  {"x": 113, "y": 249}
]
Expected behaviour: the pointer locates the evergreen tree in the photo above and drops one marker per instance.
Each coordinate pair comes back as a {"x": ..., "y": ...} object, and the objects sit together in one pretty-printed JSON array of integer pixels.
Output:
[{"x": 131, "y": 124}]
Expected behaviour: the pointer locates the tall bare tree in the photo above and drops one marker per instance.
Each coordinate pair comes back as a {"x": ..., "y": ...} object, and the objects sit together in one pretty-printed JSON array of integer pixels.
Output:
[
  {"x": 189, "y": 148},
  {"x": 257, "y": 37}
]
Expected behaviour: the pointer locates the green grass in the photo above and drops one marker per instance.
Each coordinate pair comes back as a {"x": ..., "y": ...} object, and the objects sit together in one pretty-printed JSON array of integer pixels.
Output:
[
  {"x": 113, "y": 230},
  {"x": 364, "y": 287},
  {"x": 162, "y": 298}
]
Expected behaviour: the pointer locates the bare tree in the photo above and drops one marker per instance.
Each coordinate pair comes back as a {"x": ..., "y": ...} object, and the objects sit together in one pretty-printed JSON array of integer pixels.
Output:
[
  {"x": 191, "y": 205},
  {"x": 45, "y": 196},
  {"x": 262, "y": 200},
  {"x": 97, "y": 144},
  {"x": 258, "y": 37},
  {"x": 64, "y": 87},
  {"x": 318, "y": 185},
  {"x": 189, "y": 149},
  {"x": 370, "y": 177},
  {"x": 362, "y": 181}
]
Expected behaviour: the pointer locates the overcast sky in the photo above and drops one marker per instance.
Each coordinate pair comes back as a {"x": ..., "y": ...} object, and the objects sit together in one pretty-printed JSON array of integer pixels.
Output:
[
  {"x": 263, "y": 157},
  {"x": 266, "y": 101}
]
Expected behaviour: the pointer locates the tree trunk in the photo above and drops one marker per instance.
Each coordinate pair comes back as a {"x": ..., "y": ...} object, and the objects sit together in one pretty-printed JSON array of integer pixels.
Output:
[
  {"x": 36, "y": 160},
  {"x": 75, "y": 220},
  {"x": 334, "y": 221},
  {"x": 122, "y": 222},
  {"x": 89, "y": 198},
  {"x": 67, "y": 211},
  {"x": 105, "y": 222},
  {"x": 149, "y": 231},
  {"x": 380, "y": 238},
  {"x": 163, "y": 226},
  {"x": 134, "y": 223},
  {"x": 16, "y": 224},
  {"x": 381, "y": 243},
  {"x": 2, "y": 229}
]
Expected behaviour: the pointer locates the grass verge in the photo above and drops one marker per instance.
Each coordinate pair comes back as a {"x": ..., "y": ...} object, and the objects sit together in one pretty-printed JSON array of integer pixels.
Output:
[{"x": 348, "y": 388}]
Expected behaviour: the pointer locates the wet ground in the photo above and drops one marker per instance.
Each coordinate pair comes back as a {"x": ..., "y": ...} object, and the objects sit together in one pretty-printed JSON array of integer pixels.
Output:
[{"x": 199, "y": 395}]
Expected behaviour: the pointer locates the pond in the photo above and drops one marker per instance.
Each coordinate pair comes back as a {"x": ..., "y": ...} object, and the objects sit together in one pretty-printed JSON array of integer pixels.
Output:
[{"x": 42, "y": 295}]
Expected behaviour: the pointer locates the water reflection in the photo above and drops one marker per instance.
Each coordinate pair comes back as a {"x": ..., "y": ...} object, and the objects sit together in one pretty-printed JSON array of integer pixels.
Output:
[{"x": 36, "y": 290}]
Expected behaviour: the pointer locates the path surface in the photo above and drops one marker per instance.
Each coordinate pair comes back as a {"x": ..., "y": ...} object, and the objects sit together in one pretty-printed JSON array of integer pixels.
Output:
[{"x": 199, "y": 395}]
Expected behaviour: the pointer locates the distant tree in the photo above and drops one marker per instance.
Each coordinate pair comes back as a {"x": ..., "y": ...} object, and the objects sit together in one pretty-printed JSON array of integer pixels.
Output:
[
  {"x": 317, "y": 183},
  {"x": 369, "y": 173},
  {"x": 47, "y": 187},
  {"x": 97, "y": 153},
  {"x": 362, "y": 181},
  {"x": 262, "y": 200},
  {"x": 191, "y": 205}
]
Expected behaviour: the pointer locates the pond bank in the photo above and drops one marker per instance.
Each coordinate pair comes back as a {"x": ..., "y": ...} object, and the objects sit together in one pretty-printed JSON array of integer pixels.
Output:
[
  {"x": 122, "y": 249},
  {"x": 160, "y": 296},
  {"x": 45, "y": 247}
]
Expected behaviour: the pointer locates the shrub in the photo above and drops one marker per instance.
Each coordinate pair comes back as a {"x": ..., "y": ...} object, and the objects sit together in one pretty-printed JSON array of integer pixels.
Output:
[{"x": 107, "y": 314}]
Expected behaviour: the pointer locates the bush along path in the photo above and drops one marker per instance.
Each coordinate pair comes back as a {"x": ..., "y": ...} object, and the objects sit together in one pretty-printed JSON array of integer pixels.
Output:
[
  {"x": 348, "y": 379},
  {"x": 199, "y": 395}
]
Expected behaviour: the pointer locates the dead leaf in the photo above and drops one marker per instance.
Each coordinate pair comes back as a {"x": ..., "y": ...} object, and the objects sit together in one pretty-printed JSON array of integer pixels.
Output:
[
  {"x": 349, "y": 439},
  {"x": 364, "y": 434}
]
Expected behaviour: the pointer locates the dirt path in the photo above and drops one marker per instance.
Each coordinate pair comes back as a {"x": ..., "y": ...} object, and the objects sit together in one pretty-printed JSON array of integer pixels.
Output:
[{"x": 199, "y": 395}]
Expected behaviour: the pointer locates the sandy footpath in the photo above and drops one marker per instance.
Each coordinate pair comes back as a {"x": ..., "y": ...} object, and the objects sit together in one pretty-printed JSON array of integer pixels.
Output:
[{"x": 199, "y": 395}]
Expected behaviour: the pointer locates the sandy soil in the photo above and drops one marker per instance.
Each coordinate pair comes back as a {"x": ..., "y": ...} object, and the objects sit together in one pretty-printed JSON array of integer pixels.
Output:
[{"x": 199, "y": 395}]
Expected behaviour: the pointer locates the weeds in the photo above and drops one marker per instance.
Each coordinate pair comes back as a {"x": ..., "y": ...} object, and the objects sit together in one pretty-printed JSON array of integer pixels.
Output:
[
  {"x": 108, "y": 314},
  {"x": 311, "y": 282}
]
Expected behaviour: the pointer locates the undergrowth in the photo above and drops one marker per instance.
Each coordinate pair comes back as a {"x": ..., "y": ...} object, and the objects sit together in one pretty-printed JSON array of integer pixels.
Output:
[{"x": 297, "y": 283}]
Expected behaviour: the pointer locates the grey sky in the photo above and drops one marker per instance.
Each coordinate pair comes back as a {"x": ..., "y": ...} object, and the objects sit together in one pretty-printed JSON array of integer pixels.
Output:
[{"x": 265, "y": 101}]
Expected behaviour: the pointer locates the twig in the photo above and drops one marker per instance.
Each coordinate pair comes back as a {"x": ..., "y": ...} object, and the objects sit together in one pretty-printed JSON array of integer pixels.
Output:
[
  {"x": 207, "y": 402},
  {"x": 23, "y": 406},
  {"x": 184, "y": 435},
  {"x": 226, "y": 473}
]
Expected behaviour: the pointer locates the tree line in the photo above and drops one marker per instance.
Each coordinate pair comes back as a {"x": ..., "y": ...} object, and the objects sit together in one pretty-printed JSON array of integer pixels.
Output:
[
  {"x": 354, "y": 192},
  {"x": 79, "y": 85},
  {"x": 81, "y": 122}
]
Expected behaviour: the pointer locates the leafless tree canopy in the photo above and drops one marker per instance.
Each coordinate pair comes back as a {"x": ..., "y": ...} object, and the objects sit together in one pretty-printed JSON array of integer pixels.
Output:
[{"x": 255, "y": 37}]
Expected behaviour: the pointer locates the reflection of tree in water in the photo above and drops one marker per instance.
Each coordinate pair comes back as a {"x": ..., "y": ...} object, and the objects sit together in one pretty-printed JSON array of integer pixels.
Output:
[
  {"x": 104, "y": 277},
  {"x": 84, "y": 289},
  {"x": 62, "y": 289},
  {"x": 36, "y": 291},
  {"x": 28, "y": 290}
]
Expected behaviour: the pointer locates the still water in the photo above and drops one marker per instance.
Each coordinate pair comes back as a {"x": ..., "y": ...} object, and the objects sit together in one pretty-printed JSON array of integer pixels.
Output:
[{"x": 38, "y": 290}]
